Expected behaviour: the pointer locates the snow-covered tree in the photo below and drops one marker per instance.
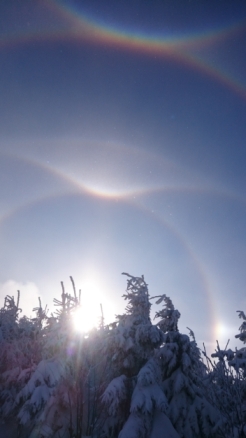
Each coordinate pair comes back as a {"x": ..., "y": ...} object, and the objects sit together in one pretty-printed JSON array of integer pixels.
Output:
[
  {"x": 226, "y": 385},
  {"x": 130, "y": 344},
  {"x": 20, "y": 352},
  {"x": 182, "y": 378},
  {"x": 149, "y": 407},
  {"x": 44, "y": 403},
  {"x": 130, "y": 379},
  {"x": 168, "y": 315},
  {"x": 133, "y": 337}
]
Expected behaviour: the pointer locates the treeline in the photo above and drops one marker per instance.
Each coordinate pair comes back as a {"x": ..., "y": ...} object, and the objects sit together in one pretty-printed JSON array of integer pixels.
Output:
[{"x": 132, "y": 378}]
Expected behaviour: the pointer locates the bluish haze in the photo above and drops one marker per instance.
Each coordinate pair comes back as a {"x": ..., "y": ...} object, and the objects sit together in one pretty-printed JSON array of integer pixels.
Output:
[{"x": 122, "y": 128}]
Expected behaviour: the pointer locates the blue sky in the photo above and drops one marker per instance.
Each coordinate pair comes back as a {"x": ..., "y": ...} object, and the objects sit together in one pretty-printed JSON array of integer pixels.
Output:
[{"x": 119, "y": 154}]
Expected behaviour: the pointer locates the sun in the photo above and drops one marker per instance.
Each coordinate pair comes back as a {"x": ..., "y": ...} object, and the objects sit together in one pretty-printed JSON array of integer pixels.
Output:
[
  {"x": 85, "y": 318},
  {"x": 93, "y": 300},
  {"x": 220, "y": 329}
]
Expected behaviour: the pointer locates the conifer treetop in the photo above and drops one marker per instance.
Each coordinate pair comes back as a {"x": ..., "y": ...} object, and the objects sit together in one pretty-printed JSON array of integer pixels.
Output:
[
  {"x": 137, "y": 295},
  {"x": 242, "y": 328},
  {"x": 169, "y": 315}
]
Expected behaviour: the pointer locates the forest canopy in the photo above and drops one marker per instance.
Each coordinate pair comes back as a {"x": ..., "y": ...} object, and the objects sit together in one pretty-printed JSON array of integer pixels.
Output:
[{"x": 133, "y": 378}]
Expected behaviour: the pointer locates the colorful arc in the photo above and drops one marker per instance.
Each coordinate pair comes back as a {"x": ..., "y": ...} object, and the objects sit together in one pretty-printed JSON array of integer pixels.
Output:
[
  {"x": 79, "y": 27},
  {"x": 177, "y": 49}
]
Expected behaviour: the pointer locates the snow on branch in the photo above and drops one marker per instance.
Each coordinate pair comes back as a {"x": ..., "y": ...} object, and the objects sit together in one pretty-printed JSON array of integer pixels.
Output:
[
  {"x": 169, "y": 315},
  {"x": 138, "y": 296}
]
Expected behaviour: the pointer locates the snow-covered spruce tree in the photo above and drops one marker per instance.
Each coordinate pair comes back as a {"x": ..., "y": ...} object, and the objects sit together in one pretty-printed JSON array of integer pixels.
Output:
[
  {"x": 9, "y": 333},
  {"x": 133, "y": 337},
  {"x": 20, "y": 346},
  {"x": 169, "y": 395},
  {"x": 182, "y": 378},
  {"x": 148, "y": 406},
  {"x": 227, "y": 386},
  {"x": 239, "y": 360},
  {"x": 130, "y": 344},
  {"x": 60, "y": 398},
  {"x": 164, "y": 381},
  {"x": 43, "y": 403}
]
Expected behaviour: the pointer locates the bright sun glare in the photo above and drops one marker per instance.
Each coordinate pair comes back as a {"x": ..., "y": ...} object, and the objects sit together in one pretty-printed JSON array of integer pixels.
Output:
[
  {"x": 89, "y": 314},
  {"x": 85, "y": 318}
]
